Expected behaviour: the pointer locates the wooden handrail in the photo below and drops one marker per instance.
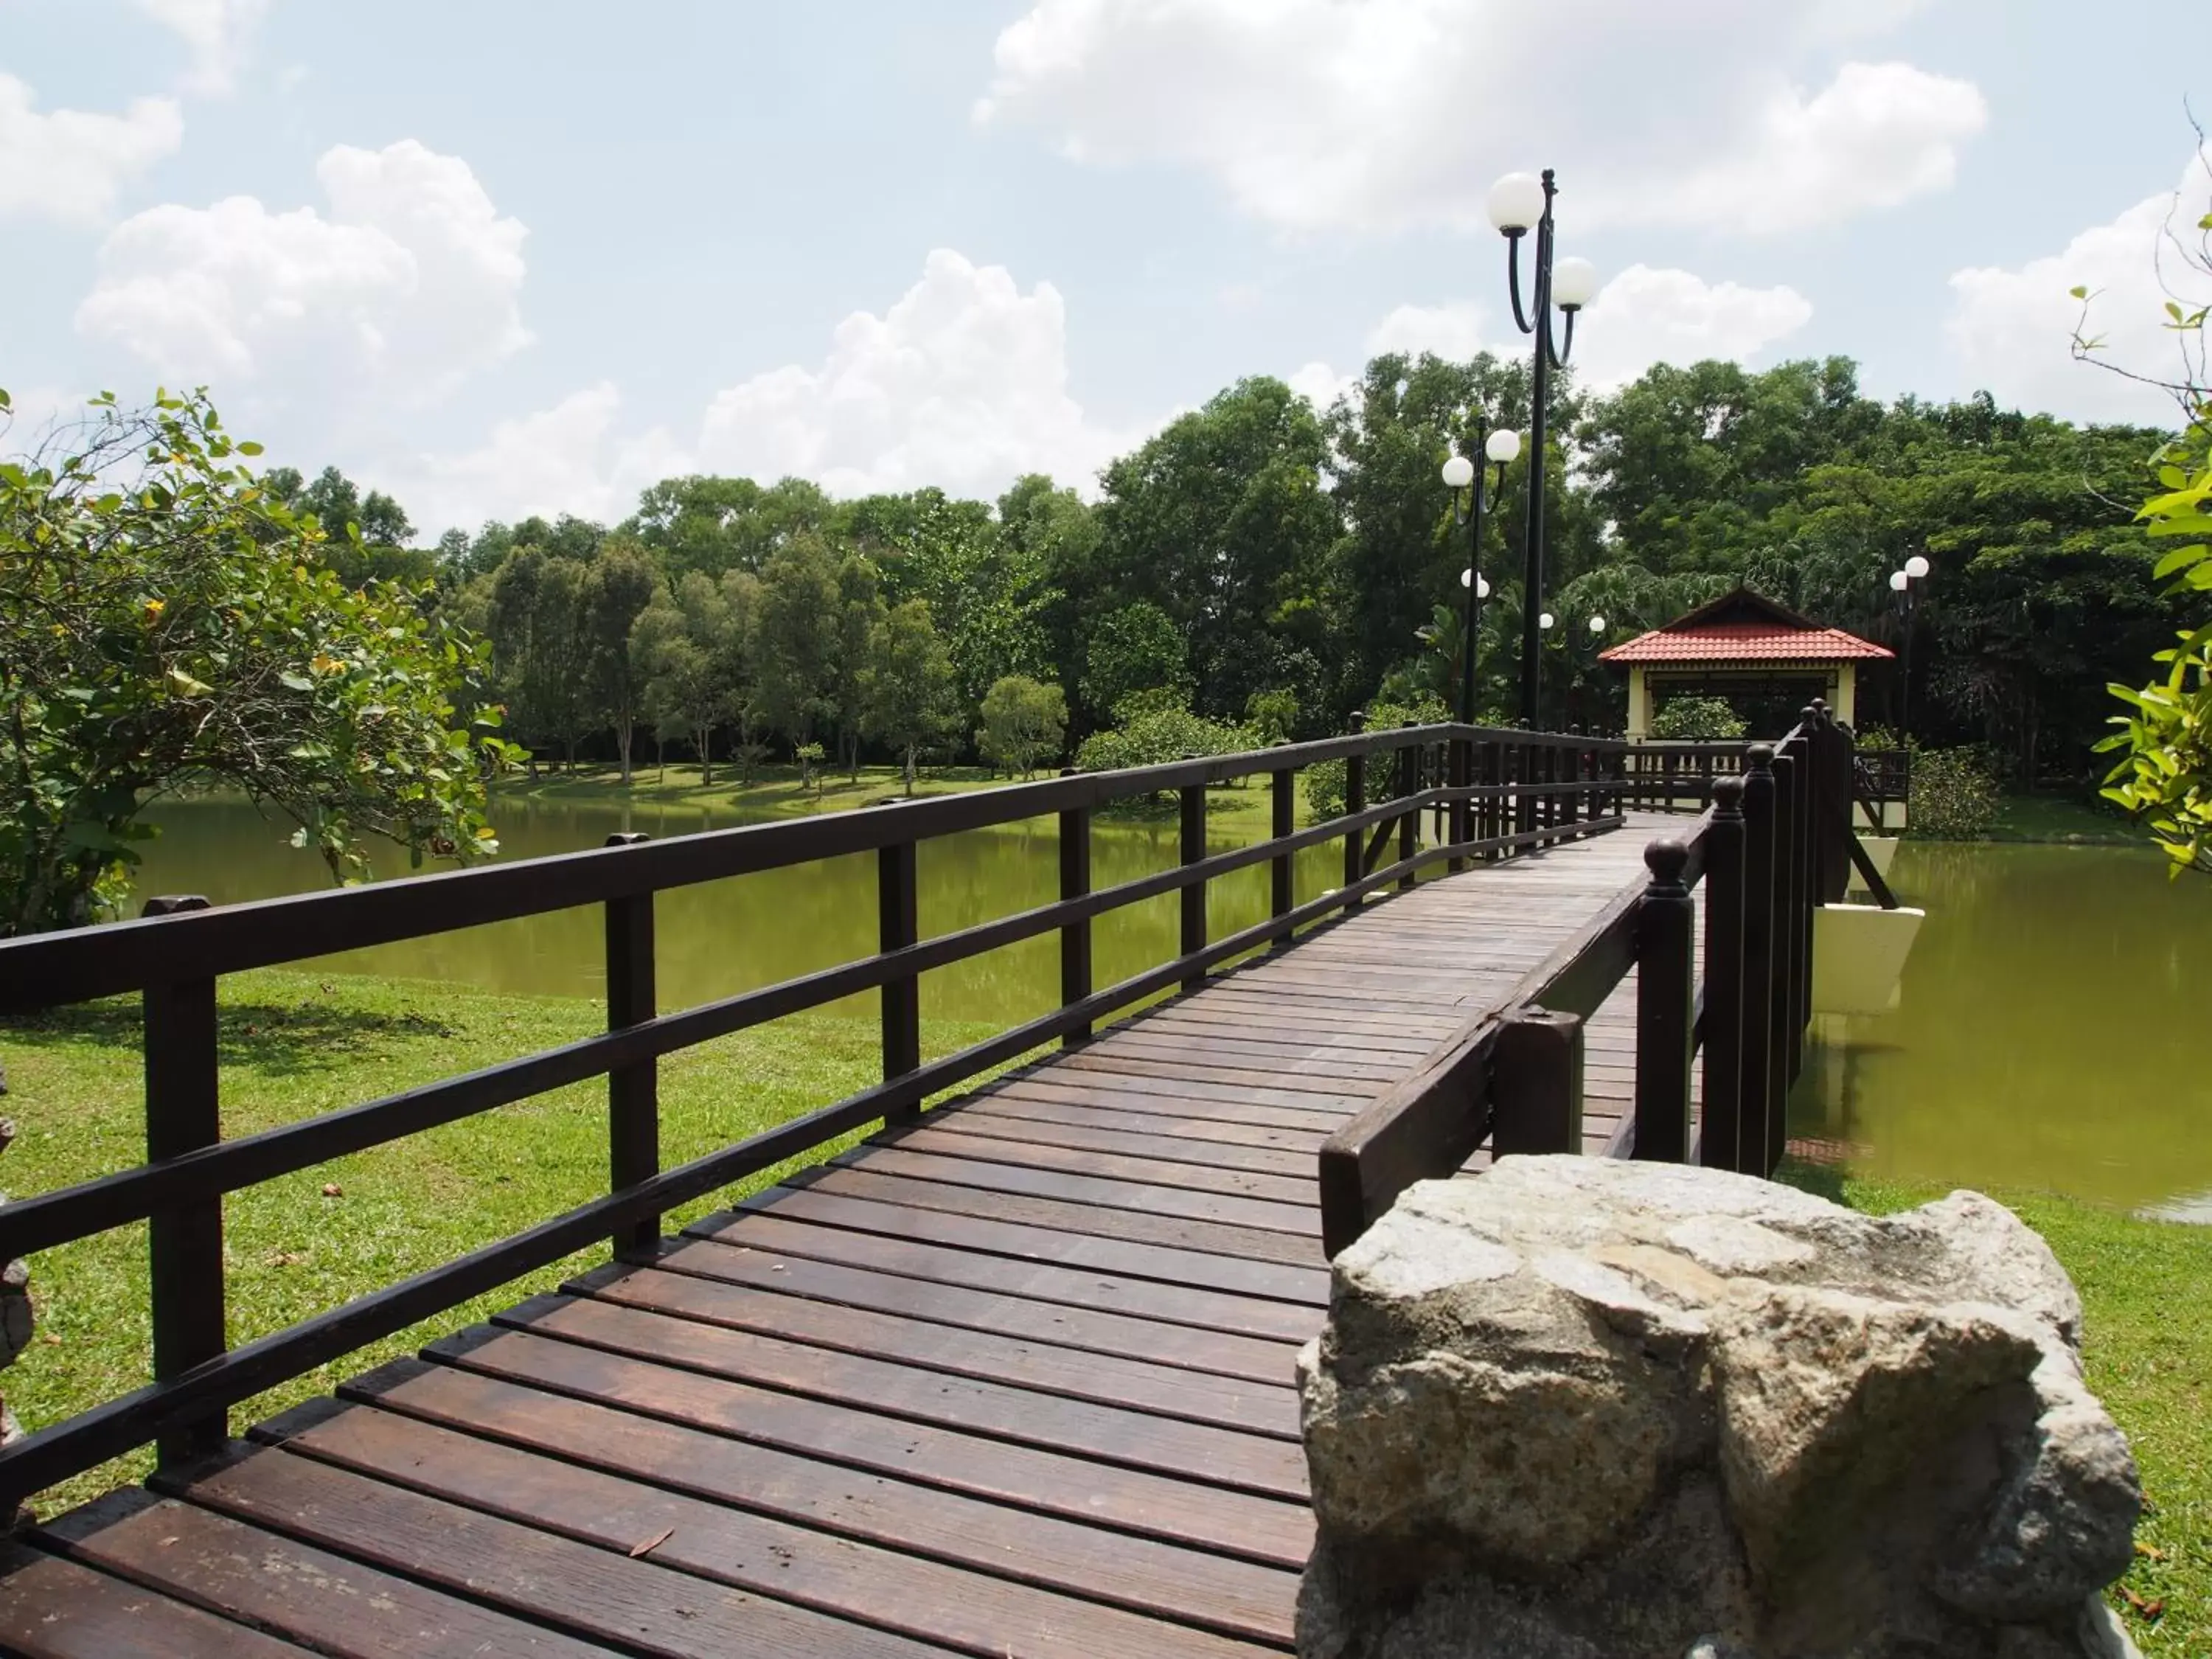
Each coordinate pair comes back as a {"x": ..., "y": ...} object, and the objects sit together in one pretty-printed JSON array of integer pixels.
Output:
[{"x": 176, "y": 955}]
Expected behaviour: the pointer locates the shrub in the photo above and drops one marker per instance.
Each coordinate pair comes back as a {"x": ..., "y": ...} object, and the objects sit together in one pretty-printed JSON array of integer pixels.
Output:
[
  {"x": 1697, "y": 719},
  {"x": 1324, "y": 780},
  {"x": 1953, "y": 796},
  {"x": 1158, "y": 735}
]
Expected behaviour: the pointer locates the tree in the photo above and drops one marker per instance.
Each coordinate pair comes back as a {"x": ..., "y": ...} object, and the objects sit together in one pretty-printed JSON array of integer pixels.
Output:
[
  {"x": 860, "y": 611},
  {"x": 163, "y": 621},
  {"x": 624, "y": 580},
  {"x": 1697, "y": 719},
  {"x": 542, "y": 648},
  {"x": 1024, "y": 721},
  {"x": 799, "y": 601},
  {"x": 1136, "y": 648},
  {"x": 1273, "y": 715},
  {"x": 910, "y": 686}
]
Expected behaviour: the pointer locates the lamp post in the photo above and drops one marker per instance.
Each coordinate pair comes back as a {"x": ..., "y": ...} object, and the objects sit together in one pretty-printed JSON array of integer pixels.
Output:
[
  {"x": 1465, "y": 480},
  {"x": 1518, "y": 203},
  {"x": 1916, "y": 569}
]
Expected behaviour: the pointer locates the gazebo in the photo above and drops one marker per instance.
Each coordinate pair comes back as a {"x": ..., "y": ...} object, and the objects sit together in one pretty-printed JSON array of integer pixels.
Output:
[{"x": 1763, "y": 659}]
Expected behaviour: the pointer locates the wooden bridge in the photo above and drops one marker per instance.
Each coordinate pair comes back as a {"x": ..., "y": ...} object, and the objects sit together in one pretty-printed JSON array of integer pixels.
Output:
[{"x": 1015, "y": 1376}]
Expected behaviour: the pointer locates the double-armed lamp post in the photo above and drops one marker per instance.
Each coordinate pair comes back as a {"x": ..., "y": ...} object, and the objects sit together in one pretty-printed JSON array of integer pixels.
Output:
[
  {"x": 1466, "y": 480},
  {"x": 1900, "y": 583},
  {"x": 1519, "y": 203}
]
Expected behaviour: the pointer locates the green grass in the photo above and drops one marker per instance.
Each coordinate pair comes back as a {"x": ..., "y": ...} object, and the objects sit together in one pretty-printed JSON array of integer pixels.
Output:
[
  {"x": 2063, "y": 818},
  {"x": 1240, "y": 807},
  {"x": 2147, "y": 1298},
  {"x": 292, "y": 1047}
]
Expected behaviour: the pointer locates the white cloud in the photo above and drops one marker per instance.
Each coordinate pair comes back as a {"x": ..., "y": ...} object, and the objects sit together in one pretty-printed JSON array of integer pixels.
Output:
[
  {"x": 218, "y": 34},
  {"x": 411, "y": 280},
  {"x": 1322, "y": 385},
  {"x": 1646, "y": 316},
  {"x": 1451, "y": 330},
  {"x": 2010, "y": 329},
  {"x": 962, "y": 383},
  {"x": 1385, "y": 114},
  {"x": 70, "y": 164}
]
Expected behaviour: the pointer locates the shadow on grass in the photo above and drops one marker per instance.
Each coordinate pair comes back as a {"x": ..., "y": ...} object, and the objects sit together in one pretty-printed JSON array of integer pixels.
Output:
[
  {"x": 277, "y": 1038},
  {"x": 1821, "y": 1180}
]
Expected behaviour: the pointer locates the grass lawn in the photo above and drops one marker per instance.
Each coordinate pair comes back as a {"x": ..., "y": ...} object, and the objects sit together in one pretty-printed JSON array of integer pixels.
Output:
[
  {"x": 776, "y": 790},
  {"x": 2147, "y": 1296},
  {"x": 293, "y": 1045}
]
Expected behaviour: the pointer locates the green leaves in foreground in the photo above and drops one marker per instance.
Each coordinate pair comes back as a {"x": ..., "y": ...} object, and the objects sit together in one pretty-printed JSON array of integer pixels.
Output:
[
  {"x": 164, "y": 623},
  {"x": 2165, "y": 776}
]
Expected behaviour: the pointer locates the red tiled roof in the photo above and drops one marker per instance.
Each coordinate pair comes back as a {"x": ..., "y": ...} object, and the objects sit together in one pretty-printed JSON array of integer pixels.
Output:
[{"x": 1749, "y": 641}]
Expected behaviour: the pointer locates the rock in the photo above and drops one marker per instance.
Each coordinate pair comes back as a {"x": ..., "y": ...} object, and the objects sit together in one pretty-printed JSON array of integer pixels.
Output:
[{"x": 1580, "y": 1407}]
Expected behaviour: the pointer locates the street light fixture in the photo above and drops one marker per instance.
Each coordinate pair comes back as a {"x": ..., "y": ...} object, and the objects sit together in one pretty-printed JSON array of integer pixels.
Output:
[
  {"x": 1518, "y": 204},
  {"x": 1901, "y": 581},
  {"x": 1465, "y": 480}
]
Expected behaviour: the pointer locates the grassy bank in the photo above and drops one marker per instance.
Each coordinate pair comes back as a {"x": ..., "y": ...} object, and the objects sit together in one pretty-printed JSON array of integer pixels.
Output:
[
  {"x": 2065, "y": 818},
  {"x": 2148, "y": 1348},
  {"x": 294, "y": 1046},
  {"x": 776, "y": 791}
]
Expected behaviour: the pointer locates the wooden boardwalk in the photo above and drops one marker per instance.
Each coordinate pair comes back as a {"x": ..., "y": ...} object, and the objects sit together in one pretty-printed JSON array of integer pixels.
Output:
[{"x": 1014, "y": 1379}]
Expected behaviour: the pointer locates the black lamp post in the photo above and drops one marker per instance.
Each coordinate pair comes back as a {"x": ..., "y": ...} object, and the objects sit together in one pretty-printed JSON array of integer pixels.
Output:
[
  {"x": 1518, "y": 203},
  {"x": 1465, "y": 480},
  {"x": 1908, "y": 601}
]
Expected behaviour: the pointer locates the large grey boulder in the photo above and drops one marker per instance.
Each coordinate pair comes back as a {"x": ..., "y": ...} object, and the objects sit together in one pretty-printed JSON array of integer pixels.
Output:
[{"x": 1605, "y": 1410}]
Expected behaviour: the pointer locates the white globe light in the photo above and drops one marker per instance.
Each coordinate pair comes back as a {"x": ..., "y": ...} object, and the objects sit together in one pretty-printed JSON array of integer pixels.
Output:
[
  {"x": 1466, "y": 578},
  {"x": 1898, "y": 580},
  {"x": 1481, "y": 588},
  {"x": 1459, "y": 472},
  {"x": 1516, "y": 201},
  {"x": 1574, "y": 283},
  {"x": 1916, "y": 566},
  {"x": 1502, "y": 445},
  {"x": 1545, "y": 620},
  {"x": 1597, "y": 624}
]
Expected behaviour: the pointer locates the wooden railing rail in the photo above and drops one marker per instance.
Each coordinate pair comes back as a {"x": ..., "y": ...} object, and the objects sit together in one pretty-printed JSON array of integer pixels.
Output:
[
  {"x": 1773, "y": 844},
  {"x": 175, "y": 956}
]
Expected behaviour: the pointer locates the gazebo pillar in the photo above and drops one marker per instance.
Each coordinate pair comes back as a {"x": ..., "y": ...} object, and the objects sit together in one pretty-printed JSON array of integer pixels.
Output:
[{"x": 1639, "y": 705}]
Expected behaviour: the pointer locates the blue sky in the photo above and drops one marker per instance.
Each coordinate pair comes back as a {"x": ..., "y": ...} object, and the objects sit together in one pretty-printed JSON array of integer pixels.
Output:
[{"x": 502, "y": 256}]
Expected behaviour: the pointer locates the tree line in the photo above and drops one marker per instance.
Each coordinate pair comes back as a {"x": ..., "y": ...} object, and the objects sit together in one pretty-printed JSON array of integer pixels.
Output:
[{"x": 1261, "y": 567}]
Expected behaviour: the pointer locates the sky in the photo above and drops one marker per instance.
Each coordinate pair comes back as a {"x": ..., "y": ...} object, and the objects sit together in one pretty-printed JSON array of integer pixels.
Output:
[{"x": 505, "y": 257}]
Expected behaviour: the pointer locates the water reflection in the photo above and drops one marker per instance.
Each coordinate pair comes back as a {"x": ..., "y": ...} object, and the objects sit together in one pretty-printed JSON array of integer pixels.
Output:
[{"x": 2052, "y": 1030}]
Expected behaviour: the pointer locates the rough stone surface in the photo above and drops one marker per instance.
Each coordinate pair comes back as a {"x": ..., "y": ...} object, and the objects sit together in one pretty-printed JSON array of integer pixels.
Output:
[{"x": 1585, "y": 1409}]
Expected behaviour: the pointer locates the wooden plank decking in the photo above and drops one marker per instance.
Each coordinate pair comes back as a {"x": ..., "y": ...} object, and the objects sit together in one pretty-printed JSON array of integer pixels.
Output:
[{"x": 1015, "y": 1379}]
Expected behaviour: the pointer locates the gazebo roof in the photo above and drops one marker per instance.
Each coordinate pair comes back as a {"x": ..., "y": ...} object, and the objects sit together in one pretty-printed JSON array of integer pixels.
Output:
[{"x": 1744, "y": 627}]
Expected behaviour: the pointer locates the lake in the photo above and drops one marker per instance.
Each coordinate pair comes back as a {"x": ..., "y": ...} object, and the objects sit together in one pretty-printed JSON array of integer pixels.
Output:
[{"x": 2052, "y": 1032}]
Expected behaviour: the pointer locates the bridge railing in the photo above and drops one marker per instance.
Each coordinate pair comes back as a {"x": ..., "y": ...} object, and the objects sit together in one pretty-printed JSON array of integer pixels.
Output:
[
  {"x": 1775, "y": 843},
  {"x": 1666, "y": 775},
  {"x": 1502, "y": 793}
]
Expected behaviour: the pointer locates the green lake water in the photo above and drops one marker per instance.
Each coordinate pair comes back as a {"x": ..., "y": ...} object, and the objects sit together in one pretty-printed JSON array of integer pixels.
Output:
[{"x": 2053, "y": 1030}]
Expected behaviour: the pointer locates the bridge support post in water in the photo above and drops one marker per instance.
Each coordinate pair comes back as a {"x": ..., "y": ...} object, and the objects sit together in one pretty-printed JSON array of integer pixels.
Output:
[
  {"x": 1536, "y": 1084},
  {"x": 1075, "y": 936},
  {"x": 185, "y": 1241},
  {"x": 1724, "y": 1031},
  {"x": 632, "y": 1092}
]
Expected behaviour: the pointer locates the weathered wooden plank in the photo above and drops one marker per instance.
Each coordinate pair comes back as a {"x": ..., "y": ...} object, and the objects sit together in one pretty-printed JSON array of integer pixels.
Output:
[
  {"x": 51, "y": 1608},
  {"x": 1292, "y": 1162},
  {"x": 1152, "y": 1198},
  {"x": 1183, "y": 1511},
  {"x": 1239, "y": 1598},
  {"x": 1033, "y": 1156},
  {"x": 858, "y": 1383},
  {"x": 1007, "y": 1108}
]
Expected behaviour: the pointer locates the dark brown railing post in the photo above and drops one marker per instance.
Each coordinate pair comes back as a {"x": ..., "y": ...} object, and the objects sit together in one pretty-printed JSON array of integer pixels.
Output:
[
  {"x": 1460, "y": 772},
  {"x": 1194, "y": 896},
  {"x": 1355, "y": 802},
  {"x": 1811, "y": 763},
  {"x": 1570, "y": 774},
  {"x": 1075, "y": 936},
  {"x": 1666, "y": 992},
  {"x": 1782, "y": 994},
  {"x": 1493, "y": 805},
  {"x": 1721, "y": 1135},
  {"x": 1282, "y": 887},
  {"x": 1536, "y": 1084},
  {"x": 184, "y": 1242},
  {"x": 898, "y": 924},
  {"x": 1755, "y": 1115},
  {"x": 1409, "y": 821},
  {"x": 632, "y": 1092}
]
